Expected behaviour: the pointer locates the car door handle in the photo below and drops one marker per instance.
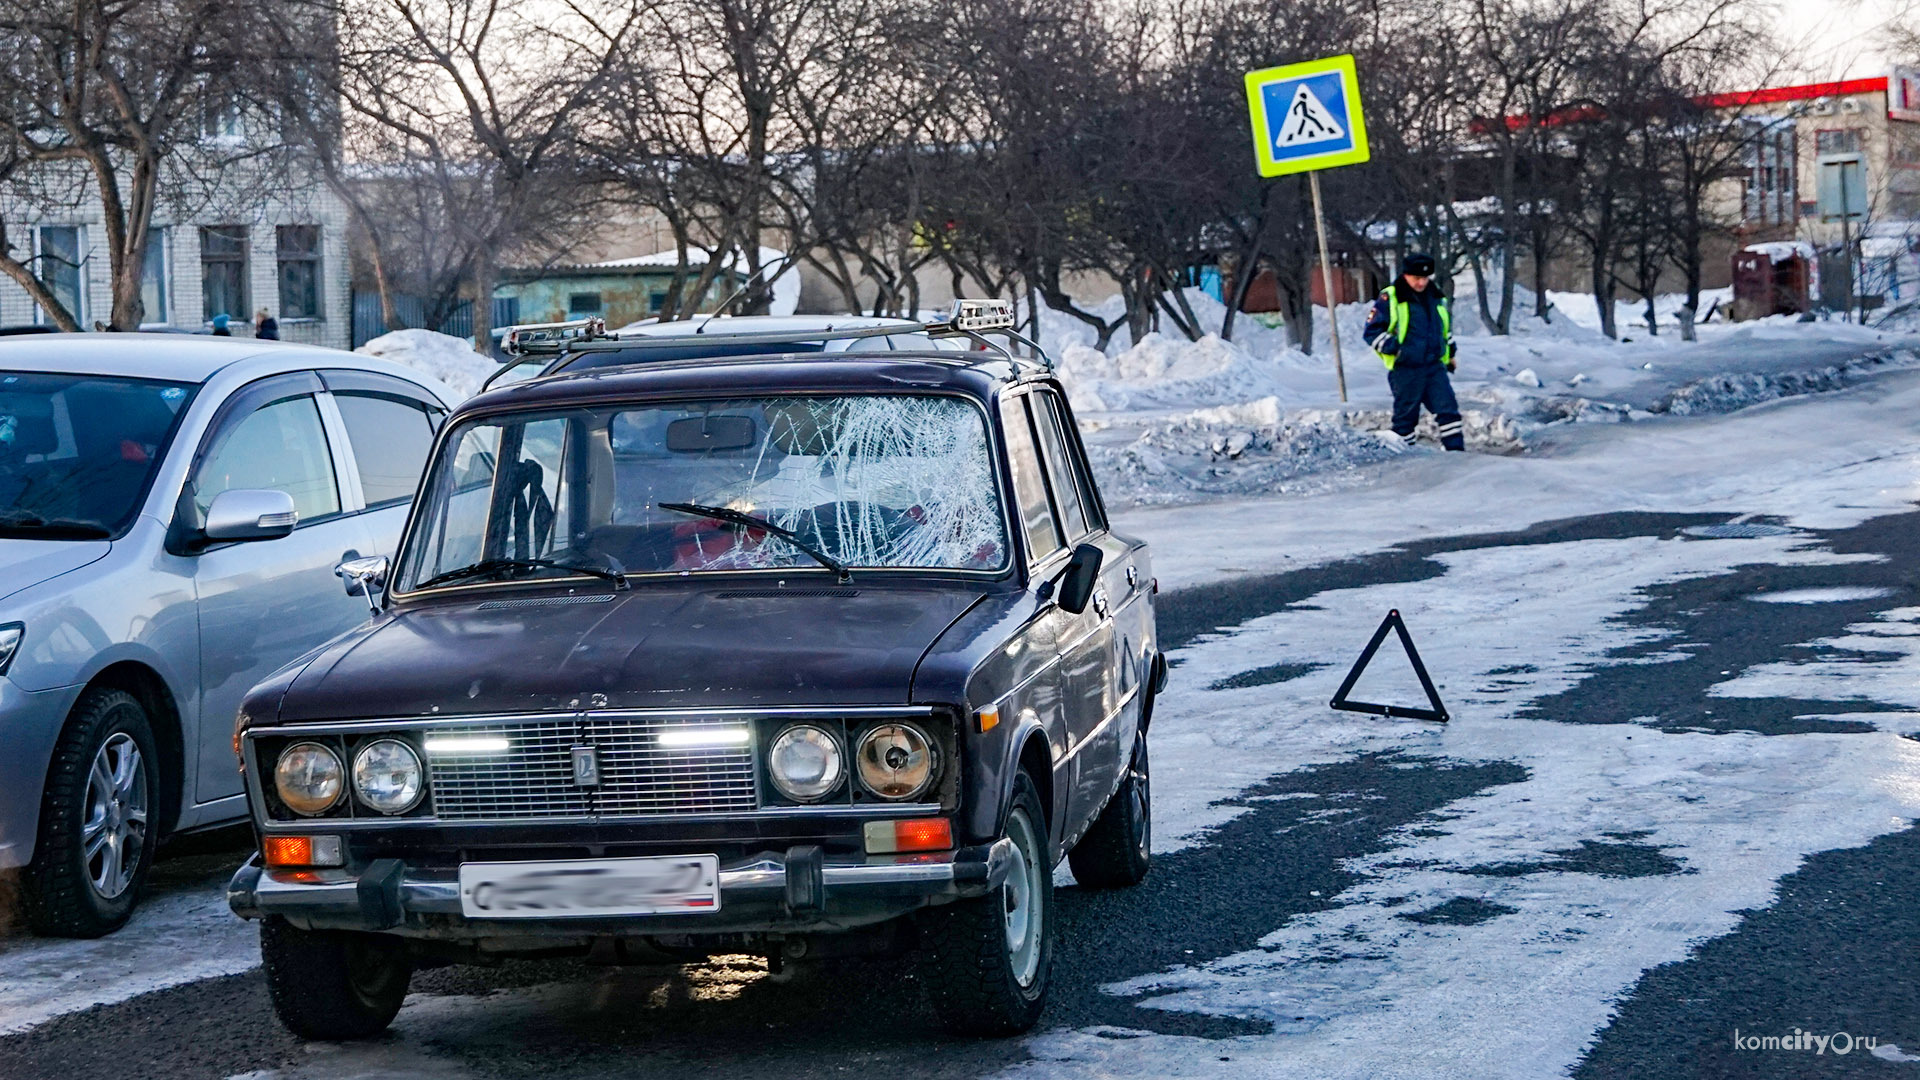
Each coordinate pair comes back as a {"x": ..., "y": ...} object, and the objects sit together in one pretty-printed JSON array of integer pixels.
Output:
[{"x": 1100, "y": 602}]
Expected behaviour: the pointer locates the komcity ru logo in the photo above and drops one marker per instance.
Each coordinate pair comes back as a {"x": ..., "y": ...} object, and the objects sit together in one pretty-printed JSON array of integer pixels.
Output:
[{"x": 1839, "y": 1042}]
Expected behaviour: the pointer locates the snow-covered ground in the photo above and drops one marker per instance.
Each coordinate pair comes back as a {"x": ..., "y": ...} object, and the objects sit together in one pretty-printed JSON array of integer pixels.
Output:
[
  {"x": 1359, "y": 991},
  {"x": 1170, "y": 421}
]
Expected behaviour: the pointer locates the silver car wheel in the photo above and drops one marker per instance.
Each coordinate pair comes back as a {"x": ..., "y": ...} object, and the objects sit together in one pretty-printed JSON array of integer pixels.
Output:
[
  {"x": 113, "y": 832},
  {"x": 1025, "y": 904}
]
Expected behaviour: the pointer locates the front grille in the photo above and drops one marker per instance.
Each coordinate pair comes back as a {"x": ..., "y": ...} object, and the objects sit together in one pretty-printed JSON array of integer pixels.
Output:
[{"x": 534, "y": 776}]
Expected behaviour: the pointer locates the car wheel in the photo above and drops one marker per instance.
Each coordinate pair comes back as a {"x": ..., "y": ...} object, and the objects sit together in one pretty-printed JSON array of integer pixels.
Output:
[
  {"x": 97, "y": 814},
  {"x": 333, "y": 984},
  {"x": 1117, "y": 851},
  {"x": 986, "y": 961}
]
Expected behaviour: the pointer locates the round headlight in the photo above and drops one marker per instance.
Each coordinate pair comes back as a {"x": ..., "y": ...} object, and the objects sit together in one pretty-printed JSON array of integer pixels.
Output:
[
  {"x": 309, "y": 778},
  {"x": 386, "y": 776},
  {"x": 804, "y": 762},
  {"x": 895, "y": 761}
]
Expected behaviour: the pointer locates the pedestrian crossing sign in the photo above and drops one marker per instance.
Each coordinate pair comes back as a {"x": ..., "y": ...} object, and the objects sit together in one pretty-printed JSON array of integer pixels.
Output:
[{"x": 1306, "y": 116}]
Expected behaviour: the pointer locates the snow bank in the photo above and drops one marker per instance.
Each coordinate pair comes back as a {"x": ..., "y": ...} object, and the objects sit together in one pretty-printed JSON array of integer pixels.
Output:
[
  {"x": 1167, "y": 419},
  {"x": 447, "y": 358}
]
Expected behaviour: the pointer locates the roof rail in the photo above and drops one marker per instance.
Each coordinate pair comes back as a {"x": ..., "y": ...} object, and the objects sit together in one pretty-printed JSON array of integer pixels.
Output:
[{"x": 969, "y": 318}]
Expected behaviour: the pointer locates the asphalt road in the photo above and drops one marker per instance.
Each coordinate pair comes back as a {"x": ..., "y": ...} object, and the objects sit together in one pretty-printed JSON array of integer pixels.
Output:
[{"x": 1836, "y": 951}]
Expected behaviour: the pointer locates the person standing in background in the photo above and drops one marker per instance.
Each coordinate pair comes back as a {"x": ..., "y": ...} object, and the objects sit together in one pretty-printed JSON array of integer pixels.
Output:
[
  {"x": 1411, "y": 330},
  {"x": 265, "y": 326},
  {"x": 220, "y": 322}
]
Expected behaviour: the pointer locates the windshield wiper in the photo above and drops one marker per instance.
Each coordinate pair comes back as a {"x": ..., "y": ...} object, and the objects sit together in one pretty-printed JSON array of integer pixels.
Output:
[
  {"x": 68, "y": 528},
  {"x": 720, "y": 513},
  {"x": 495, "y": 566}
]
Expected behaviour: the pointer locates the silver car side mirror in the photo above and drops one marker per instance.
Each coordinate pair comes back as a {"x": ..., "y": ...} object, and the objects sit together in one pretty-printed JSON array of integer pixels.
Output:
[
  {"x": 251, "y": 514},
  {"x": 364, "y": 577}
]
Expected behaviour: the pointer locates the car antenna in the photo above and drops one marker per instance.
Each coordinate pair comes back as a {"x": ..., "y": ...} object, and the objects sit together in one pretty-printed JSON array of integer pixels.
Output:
[{"x": 737, "y": 293}]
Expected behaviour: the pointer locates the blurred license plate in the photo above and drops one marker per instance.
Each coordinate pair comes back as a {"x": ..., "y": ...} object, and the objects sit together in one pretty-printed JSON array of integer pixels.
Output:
[{"x": 668, "y": 885}]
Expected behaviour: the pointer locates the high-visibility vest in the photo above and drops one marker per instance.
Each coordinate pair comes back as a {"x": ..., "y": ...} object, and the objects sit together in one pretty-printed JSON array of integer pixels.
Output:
[{"x": 1400, "y": 314}]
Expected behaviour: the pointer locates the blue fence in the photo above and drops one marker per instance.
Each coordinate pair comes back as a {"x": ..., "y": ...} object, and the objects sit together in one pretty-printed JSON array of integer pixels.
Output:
[{"x": 367, "y": 323}]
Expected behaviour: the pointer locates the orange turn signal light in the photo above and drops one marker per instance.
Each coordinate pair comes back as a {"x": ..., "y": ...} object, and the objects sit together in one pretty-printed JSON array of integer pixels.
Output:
[
  {"x": 989, "y": 718},
  {"x": 302, "y": 851},
  {"x": 908, "y": 834}
]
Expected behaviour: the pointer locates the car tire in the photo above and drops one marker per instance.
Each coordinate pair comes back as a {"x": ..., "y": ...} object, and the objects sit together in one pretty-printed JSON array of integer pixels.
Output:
[
  {"x": 98, "y": 819},
  {"x": 333, "y": 985},
  {"x": 986, "y": 962},
  {"x": 1117, "y": 850}
]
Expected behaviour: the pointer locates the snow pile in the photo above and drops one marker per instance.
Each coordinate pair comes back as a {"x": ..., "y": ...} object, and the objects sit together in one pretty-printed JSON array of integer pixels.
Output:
[
  {"x": 1260, "y": 447},
  {"x": 442, "y": 356},
  {"x": 1737, "y": 390}
]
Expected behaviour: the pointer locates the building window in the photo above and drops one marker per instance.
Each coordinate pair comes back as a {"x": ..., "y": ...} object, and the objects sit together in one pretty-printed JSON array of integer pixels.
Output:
[
  {"x": 1769, "y": 198},
  {"x": 223, "y": 271},
  {"x": 60, "y": 257},
  {"x": 155, "y": 284},
  {"x": 1840, "y": 141},
  {"x": 298, "y": 249},
  {"x": 219, "y": 117},
  {"x": 656, "y": 300},
  {"x": 583, "y": 303}
]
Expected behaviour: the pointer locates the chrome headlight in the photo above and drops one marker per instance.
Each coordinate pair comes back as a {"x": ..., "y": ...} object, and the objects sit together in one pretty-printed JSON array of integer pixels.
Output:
[
  {"x": 895, "y": 761},
  {"x": 805, "y": 762},
  {"x": 309, "y": 778},
  {"x": 387, "y": 776}
]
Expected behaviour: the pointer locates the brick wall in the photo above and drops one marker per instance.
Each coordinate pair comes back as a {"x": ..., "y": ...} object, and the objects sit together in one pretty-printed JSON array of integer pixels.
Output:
[{"x": 186, "y": 307}]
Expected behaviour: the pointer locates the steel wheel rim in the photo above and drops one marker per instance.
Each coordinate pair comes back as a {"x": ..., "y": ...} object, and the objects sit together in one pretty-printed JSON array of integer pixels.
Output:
[
  {"x": 113, "y": 830},
  {"x": 1023, "y": 899},
  {"x": 1138, "y": 795}
]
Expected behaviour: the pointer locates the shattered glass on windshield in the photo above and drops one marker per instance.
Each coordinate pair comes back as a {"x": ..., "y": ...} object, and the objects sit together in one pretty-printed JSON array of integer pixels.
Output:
[{"x": 896, "y": 481}]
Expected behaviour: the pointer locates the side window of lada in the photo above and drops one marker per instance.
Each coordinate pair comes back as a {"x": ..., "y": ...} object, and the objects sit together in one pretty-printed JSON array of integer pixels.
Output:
[{"x": 1029, "y": 483}]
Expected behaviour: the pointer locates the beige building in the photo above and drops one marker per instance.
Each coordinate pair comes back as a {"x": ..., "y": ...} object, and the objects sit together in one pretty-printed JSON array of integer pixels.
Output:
[{"x": 278, "y": 243}]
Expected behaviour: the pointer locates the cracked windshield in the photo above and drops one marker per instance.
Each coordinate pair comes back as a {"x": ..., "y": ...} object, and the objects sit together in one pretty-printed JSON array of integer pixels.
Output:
[{"x": 894, "y": 481}]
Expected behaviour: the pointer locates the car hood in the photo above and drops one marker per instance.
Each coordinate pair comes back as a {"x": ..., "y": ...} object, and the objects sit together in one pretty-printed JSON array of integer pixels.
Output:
[
  {"x": 650, "y": 648},
  {"x": 25, "y": 563}
]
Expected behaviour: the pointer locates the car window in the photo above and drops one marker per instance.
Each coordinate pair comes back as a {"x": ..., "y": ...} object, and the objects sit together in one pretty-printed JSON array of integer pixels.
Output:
[
  {"x": 1029, "y": 487},
  {"x": 390, "y": 440},
  {"x": 1066, "y": 491},
  {"x": 1077, "y": 462},
  {"x": 279, "y": 446}
]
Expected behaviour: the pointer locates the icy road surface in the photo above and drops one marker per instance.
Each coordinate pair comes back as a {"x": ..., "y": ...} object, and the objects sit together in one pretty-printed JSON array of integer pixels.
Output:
[{"x": 1677, "y": 802}]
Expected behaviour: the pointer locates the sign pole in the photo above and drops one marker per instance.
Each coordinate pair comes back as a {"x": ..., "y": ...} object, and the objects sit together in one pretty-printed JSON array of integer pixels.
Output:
[{"x": 1326, "y": 279}]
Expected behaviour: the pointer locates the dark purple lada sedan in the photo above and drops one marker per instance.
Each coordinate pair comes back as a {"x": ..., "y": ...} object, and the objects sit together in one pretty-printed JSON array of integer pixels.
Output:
[{"x": 814, "y": 653}]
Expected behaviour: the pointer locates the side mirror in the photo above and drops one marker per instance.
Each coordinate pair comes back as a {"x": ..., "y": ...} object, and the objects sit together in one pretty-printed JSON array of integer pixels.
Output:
[
  {"x": 250, "y": 514},
  {"x": 1082, "y": 574},
  {"x": 364, "y": 577}
]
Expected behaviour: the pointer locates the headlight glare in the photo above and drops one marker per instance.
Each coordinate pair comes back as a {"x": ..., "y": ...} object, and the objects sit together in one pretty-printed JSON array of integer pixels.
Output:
[
  {"x": 309, "y": 778},
  {"x": 387, "y": 776},
  {"x": 895, "y": 761},
  {"x": 805, "y": 762}
]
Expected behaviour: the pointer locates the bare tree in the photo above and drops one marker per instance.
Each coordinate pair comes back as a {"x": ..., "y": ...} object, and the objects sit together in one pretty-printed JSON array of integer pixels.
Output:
[
  {"x": 106, "y": 99},
  {"x": 469, "y": 108}
]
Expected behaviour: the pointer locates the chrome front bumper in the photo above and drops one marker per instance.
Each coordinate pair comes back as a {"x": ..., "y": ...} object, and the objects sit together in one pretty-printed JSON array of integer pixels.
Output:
[{"x": 793, "y": 891}]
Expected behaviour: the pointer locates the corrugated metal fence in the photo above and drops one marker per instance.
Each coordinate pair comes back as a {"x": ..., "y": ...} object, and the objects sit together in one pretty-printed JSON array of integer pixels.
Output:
[{"x": 367, "y": 323}]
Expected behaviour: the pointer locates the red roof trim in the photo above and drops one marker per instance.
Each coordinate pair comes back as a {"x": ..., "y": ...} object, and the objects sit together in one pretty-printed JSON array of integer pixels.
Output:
[{"x": 1794, "y": 93}]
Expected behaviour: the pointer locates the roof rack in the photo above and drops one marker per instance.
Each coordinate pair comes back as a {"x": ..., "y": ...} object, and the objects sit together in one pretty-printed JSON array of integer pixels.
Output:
[{"x": 969, "y": 318}]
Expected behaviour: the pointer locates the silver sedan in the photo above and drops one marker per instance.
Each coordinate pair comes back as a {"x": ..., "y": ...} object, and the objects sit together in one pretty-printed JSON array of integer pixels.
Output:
[{"x": 172, "y": 514}]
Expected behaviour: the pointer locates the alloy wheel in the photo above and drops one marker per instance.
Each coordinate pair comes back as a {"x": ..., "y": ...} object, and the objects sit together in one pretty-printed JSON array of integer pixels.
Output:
[{"x": 114, "y": 830}]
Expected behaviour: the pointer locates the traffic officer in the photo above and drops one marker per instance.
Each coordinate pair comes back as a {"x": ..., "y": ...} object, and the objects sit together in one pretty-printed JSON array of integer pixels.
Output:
[{"x": 1411, "y": 329}]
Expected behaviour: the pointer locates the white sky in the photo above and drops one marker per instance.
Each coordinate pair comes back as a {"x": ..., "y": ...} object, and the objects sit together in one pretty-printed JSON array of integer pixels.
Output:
[{"x": 1840, "y": 39}]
